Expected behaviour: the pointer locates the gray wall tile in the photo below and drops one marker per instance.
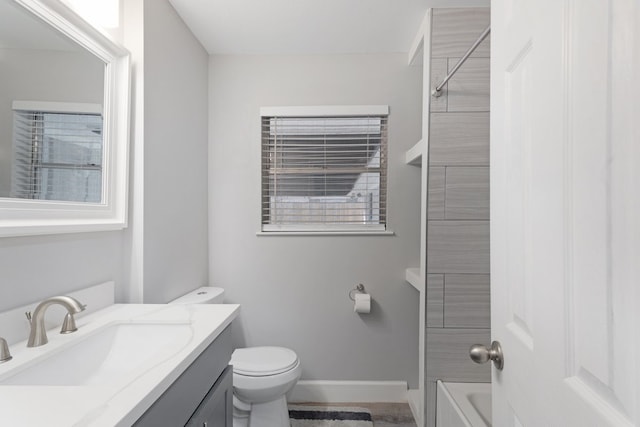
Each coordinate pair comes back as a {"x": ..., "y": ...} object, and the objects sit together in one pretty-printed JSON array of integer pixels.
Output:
[
  {"x": 468, "y": 89},
  {"x": 459, "y": 139},
  {"x": 438, "y": 73},
  {"x": 436, "y": 192},
  {"x": 458, "y": 313},
  {"x": 455, "y": 30},
  {"x": 467, "y": 302},
  {"x": 448, "y": 355},
  {"x": 435, "y": 300},
  {"x": 467, "y": 193},
  {"x": 458, "y": 247}
]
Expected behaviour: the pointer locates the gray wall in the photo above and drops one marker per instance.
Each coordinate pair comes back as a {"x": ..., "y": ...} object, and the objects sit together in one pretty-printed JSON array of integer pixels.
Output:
[
  {"x": 42, "y": 75},
  {"x": 293, "y": 289},
  {"x": 458, "y": 312},
  {"x": 34, "y": 268},
  {"x": 175, "y": 156}
]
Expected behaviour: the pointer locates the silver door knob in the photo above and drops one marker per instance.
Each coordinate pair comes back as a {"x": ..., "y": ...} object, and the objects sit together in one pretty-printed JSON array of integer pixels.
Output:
[{"x": 481, "y": 354}]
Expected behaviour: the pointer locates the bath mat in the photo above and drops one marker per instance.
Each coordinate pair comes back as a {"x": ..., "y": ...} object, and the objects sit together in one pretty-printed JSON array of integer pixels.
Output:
[{"x": 332, "y": 416}]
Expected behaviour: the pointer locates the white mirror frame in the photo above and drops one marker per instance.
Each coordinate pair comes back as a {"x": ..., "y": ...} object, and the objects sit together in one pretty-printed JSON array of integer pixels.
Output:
[{"x": 20, "y": 217}]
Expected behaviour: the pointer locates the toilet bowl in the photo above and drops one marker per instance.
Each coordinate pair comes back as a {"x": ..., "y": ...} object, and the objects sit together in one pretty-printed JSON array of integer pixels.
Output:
[{"x": 262, "y": 376}]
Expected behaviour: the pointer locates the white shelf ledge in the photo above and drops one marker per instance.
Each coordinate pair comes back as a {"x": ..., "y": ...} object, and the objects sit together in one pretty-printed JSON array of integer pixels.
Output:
[
  {"x": 413, "y": 155},
  {"x": 412, "y": 275},
  {"x": 417, "y": 47}
]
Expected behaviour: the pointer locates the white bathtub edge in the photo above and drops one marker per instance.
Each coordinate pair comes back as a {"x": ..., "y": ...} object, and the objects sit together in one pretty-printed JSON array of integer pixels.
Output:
[
  {"x": 454, "y": 407},
  {"x": 446, "y": 407}
]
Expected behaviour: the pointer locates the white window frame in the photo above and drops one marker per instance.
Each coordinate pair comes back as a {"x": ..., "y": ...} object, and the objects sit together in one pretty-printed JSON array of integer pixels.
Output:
[{"x": 324, "y": 229}]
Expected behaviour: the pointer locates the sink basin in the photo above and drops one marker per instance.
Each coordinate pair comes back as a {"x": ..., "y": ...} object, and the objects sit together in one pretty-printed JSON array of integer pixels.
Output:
[{"x": 113, "y": 354}]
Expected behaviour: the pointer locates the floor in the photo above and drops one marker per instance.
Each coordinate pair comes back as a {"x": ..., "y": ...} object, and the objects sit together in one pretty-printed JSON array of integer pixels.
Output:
[{"x": 383, "y": 414}]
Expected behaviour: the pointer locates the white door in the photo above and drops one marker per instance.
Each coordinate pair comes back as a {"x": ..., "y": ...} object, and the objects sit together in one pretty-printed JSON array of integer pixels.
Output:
[{"x": 565, "y": 206}]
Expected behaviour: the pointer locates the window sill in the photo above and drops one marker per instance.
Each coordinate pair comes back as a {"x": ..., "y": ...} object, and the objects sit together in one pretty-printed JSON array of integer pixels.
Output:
[{"x": 325, "y": 233}]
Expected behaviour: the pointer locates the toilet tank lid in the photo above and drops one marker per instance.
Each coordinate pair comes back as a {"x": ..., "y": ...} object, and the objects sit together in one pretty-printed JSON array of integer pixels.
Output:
[{"x": 203, "y": 295}]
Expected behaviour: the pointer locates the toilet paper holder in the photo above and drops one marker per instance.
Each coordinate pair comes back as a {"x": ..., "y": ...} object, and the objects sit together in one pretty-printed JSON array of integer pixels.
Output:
[{"x": 359, "y": 288}]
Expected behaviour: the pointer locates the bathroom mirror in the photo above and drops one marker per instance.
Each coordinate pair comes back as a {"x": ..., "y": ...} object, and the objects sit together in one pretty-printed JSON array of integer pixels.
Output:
[{"x": 64, "y": 108}]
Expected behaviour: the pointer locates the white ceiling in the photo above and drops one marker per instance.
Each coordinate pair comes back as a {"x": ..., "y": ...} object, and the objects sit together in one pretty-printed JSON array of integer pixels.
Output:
[{"x": 307, "y": 26}]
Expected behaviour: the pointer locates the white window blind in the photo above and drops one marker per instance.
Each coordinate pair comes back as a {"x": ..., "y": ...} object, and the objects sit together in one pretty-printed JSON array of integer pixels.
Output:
[
  {"x": 57, "y": 156},
  {"x": 324, "y": 173}
]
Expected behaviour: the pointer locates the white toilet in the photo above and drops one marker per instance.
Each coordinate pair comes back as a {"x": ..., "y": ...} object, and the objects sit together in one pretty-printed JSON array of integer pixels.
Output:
[{"x": 262, "y": 376}]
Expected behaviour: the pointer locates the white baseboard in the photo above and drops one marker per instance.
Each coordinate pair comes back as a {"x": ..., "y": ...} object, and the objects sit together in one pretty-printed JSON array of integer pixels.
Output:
[{"x": 349, "y": 391}]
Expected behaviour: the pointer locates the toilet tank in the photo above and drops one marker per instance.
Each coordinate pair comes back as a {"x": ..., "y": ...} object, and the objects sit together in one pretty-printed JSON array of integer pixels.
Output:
[{"x": 203, "y": 295}]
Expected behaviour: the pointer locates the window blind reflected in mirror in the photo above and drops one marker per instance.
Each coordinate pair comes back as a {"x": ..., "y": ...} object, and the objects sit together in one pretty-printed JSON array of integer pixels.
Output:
[{"x": 57, "y": 156}]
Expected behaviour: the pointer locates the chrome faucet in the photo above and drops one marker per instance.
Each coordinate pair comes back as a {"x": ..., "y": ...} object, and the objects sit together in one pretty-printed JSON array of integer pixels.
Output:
[{"x": 38, "y": 334}]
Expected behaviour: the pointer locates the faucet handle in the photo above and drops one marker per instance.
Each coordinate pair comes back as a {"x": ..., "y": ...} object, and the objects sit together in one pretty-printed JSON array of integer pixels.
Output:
[
  {"x": 69, "y": 324},
  {"x": 28, "y": 315},
  {"x": 5, "y": 355}
]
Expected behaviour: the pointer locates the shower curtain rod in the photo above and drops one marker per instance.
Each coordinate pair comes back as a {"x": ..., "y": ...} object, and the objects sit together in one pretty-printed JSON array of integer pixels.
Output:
[{"x": 438, "y": 89}]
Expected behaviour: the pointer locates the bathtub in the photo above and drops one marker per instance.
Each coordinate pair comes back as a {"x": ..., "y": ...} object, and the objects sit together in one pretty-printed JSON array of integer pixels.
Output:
[{"x": 463, "y": 405}]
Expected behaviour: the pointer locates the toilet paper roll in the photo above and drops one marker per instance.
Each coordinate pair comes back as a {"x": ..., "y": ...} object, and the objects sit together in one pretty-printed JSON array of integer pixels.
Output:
[{"x": 362, "y": 303}]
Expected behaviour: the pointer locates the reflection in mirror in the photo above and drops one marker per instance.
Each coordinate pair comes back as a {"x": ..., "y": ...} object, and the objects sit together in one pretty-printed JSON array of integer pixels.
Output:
[
  {"x": 64, "y": 122},
  {"x": 51, "y": 97}
]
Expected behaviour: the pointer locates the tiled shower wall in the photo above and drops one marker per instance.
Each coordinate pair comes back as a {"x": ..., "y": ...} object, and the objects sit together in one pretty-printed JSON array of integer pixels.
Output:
[{"x": 458, "y": 312}]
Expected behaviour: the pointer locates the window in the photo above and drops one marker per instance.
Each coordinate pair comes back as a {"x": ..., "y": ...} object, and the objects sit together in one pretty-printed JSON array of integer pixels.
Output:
[
  {"x": 57, "y": 155},
  {"x": 324, "y": 169}
]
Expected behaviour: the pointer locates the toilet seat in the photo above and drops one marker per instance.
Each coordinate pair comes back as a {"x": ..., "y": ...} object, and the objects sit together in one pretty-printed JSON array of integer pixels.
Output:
[
  {"x": 262, "y": 378},
  {"x": 263, "y": 361}
]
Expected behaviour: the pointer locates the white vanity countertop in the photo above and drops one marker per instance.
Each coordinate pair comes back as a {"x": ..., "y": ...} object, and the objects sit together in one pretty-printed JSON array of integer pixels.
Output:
[{"x": 119, "y": 403}]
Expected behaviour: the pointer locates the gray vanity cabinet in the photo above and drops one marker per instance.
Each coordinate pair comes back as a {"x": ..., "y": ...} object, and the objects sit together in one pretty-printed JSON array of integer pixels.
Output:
[{"x": 202, "y": 396}]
